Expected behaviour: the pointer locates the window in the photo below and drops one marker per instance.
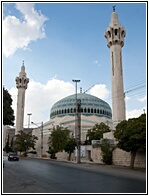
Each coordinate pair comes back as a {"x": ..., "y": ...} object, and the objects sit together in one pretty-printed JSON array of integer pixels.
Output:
[{"x": 115, "y": 31}]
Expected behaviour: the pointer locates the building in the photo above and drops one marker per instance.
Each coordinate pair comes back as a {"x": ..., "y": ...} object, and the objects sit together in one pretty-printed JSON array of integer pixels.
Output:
[
  {"x": 115, "y": 34},
  {"x": 63, "y": 113},
  {"x": 21, "y": 84}
]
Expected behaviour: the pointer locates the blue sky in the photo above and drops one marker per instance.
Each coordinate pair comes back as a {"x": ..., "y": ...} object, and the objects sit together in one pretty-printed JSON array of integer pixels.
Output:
[{"x": 64, "y": 41}]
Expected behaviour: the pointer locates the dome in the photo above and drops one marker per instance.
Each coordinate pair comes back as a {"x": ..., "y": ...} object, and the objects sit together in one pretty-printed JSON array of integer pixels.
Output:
[{"x": 90, "y": 105}]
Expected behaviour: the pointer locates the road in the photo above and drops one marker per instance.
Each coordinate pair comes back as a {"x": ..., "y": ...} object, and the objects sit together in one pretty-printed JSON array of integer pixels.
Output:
[{"x": 30, "y": 175}]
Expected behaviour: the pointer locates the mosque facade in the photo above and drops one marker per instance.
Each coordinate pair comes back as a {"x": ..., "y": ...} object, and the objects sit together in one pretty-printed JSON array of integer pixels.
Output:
[{"x": 63, "y": 113}]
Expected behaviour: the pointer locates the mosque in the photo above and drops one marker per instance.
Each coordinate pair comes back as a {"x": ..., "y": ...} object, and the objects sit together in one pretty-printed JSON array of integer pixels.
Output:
[
  {"x": 93, "y": 110},
  {"x": 63, "y": 113}
]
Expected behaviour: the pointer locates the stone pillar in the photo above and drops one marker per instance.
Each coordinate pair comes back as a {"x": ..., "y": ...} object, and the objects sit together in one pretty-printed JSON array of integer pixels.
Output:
[
  {"x": 115, "y": 34},
  {"x": 21, "y": 84}
]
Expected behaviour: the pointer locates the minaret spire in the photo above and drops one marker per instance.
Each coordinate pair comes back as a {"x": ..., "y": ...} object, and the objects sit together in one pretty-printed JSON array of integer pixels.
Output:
[
  {"x": 21, "y": 84},
  {"x": 115, "y": 34}
]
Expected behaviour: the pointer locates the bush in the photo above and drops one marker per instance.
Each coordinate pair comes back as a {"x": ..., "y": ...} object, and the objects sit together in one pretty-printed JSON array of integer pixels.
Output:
[
  {"x": 107, "y": 151},
  {"x": 44, "y": 155}
]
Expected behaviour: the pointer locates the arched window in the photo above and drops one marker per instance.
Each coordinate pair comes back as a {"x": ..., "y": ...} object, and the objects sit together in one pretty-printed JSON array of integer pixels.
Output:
[
  {"x": 109, "y": 34},
  {"x": 71, "y": 110},
  {"x": 123, "y": 33},
  {"x": 115, "y": 31},
  {"x": 88, "y": 110},
  {"x": 68, "y": 110},
  {"x": 74, "y": 110},
  {"x": 100, "y": 111},
  {"x": 103, "y": 112},
  {"x": 84, "y": 110},
  {"x": 91, "y": 110},
  {"x": 65, "y": 111},
  {"x": 95, "y": 111},
  {"x": 62, "y": 111}
]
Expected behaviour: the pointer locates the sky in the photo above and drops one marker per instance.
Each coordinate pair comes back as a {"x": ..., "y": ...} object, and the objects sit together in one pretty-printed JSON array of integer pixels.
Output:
[{"x": 59, "y": 42}]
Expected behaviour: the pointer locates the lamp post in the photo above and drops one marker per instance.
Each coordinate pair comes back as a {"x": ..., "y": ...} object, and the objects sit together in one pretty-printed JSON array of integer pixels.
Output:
[
  {"x": 41, "y": 127},
  {"x": 29, "y": 119},
  {"x": 76, "y": 127}
]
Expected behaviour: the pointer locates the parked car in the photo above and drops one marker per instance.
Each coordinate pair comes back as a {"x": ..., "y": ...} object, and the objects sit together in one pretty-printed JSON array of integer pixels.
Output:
[{"x": 13, "y": 156}]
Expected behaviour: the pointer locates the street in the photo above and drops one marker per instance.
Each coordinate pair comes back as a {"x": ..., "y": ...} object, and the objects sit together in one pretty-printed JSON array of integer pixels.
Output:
[{"x": 30, "y": 175}]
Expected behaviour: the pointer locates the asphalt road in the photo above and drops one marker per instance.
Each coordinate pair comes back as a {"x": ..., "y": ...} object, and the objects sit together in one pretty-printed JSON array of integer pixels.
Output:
[{"x": 46, "y": 176}]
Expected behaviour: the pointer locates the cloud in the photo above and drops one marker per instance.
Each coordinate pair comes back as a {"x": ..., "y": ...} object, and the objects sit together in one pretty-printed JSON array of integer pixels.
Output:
[
  {"x": 96, "y": 62},
  {"x": 100, "y": 91},
  {"x": 134, "y": 113},
  {"x": 18, "y": 33},
  {"x": 142, "y": 99},
  {"x": 41, "y": 97},
  {"x": 127, "y": 98}
]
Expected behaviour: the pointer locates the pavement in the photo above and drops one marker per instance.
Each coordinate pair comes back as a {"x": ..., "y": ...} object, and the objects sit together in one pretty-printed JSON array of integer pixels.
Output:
[{"x": 138, "y": 173}]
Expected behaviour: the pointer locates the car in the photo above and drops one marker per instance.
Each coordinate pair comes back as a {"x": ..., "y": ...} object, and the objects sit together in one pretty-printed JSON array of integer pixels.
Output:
[{"x": 13, "y": 156}]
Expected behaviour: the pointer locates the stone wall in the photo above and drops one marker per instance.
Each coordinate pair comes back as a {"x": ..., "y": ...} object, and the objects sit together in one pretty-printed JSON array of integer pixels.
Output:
[
  {"x": 121, "y": 157},
  {"x": 97, "y": 155}
]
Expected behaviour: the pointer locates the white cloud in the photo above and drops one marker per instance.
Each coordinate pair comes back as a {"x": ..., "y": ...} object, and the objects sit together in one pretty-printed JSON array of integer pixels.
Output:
[
  {"x": 96, "y": 62},
  {"x": 100, "y": 91},
  {"x": 134, "y": 113},
  {"x": 41, "y": 97},
  {"x": 17, "y": 33},
  {"x": 142, "y": 99},
  {"x": 127, "y": 98}
]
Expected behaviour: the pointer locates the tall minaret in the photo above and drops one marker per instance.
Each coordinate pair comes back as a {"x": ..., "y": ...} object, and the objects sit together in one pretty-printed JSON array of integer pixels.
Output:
[
  {"x": 21, "y": 84},
  {"x": 115, "y": 34}
]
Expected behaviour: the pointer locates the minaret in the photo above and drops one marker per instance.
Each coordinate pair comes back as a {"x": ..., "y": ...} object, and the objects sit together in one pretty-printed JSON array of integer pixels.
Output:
[
  {"x": 115, "y": 34},
  {"x": 21, "y": 84}
]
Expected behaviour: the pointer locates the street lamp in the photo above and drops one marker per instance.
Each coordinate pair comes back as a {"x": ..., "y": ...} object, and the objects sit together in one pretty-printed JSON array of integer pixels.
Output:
[
  {"x": 41, "y": 136},
  {"x": 76, "y": 127},
  {"x": 29, "y": 119}
]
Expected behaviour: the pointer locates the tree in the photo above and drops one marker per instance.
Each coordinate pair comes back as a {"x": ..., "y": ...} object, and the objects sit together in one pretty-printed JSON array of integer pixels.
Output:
[
  {"x": 96, "y": 133},
  {"x": 70, "y": 147},
  {"x": 107, "y": 151},
  {"x": 8, "y": 113},
  {"x": 131, "y": 136},
  {"x": 7, "y": 147},
  {"x": 24, "y": 141},
  {"x": 57, "y": 140}
]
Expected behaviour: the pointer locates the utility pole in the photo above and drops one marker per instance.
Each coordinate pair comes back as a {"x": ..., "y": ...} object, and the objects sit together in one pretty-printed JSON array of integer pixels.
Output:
[
  {"x": 76, "y": 122},
  {"x": 41, "y": 129},
  {"x": 79, "y": 129},
  {"x": 29, "y": 119}
]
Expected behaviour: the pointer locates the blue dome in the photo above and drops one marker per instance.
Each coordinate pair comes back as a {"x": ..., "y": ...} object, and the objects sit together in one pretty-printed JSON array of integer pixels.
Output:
[{"x": 90, "y": 105}]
